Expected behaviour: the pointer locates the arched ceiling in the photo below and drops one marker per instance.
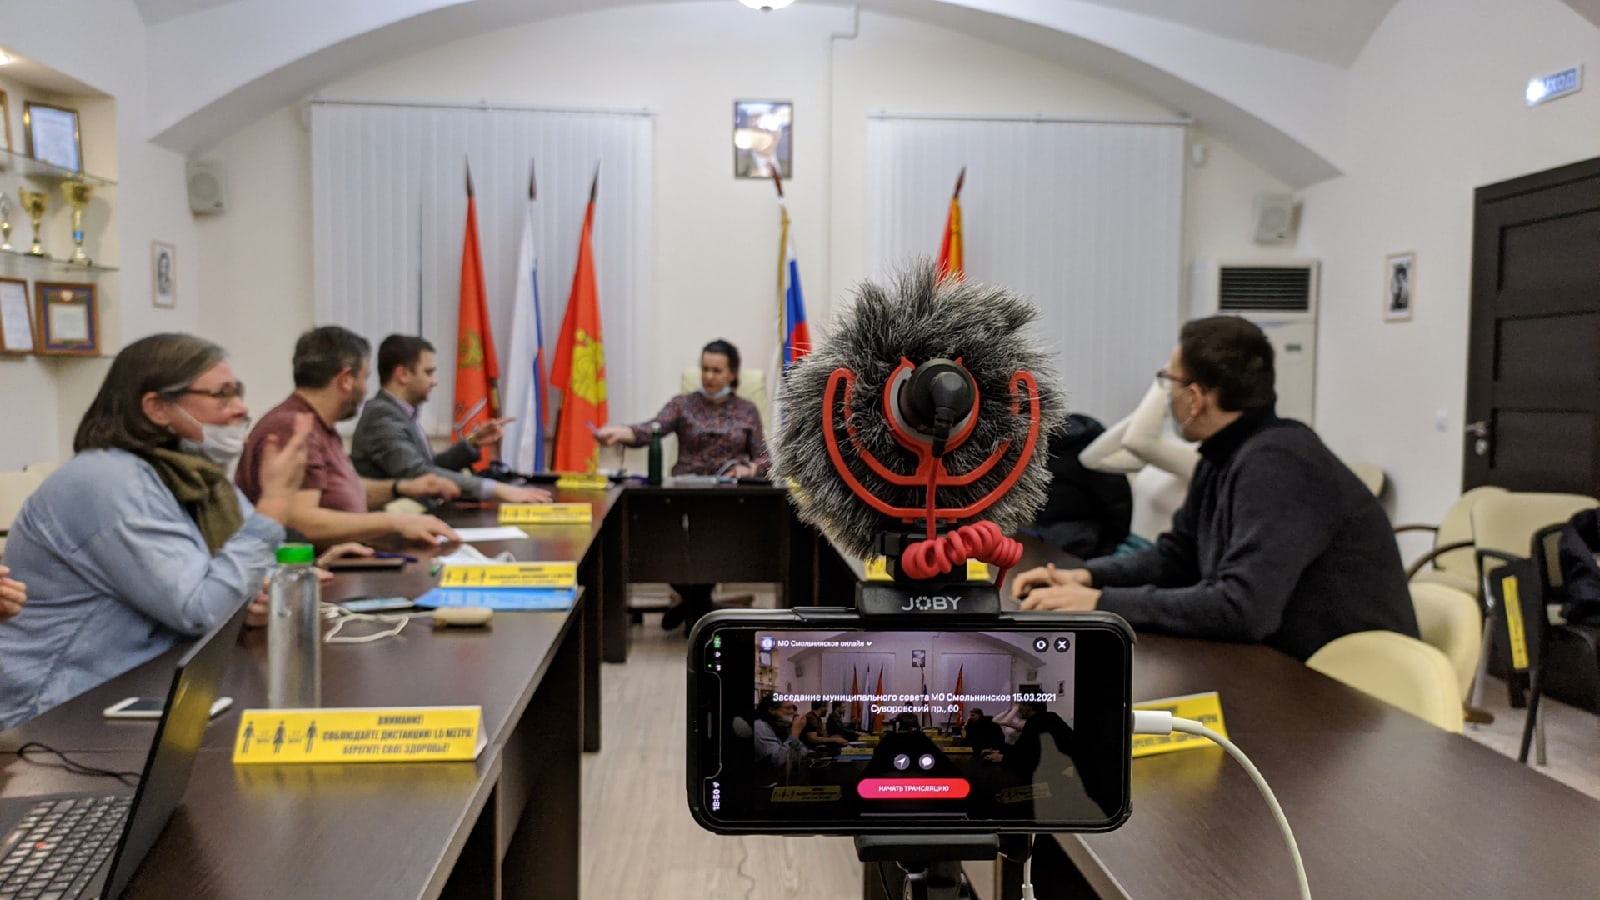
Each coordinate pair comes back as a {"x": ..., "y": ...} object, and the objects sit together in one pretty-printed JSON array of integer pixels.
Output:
[{"x": 1267, "y": 76}]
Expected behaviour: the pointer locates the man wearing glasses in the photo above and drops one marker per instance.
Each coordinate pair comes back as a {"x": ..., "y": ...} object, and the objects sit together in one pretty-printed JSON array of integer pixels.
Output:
[{"x": 1277, "y": 542}]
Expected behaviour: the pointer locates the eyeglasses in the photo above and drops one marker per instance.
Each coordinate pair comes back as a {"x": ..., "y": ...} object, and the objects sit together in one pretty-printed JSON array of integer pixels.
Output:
[
  {"x": 226, "y": 393},
  {"x": 1167, "y": 380}
]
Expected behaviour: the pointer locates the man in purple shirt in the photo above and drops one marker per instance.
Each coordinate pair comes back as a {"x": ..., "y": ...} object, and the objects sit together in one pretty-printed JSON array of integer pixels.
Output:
[{"x": 718, "y": 432}]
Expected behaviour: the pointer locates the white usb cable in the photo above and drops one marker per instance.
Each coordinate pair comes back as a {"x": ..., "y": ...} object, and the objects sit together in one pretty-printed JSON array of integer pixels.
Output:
[{"x": 1157, "y": 722}]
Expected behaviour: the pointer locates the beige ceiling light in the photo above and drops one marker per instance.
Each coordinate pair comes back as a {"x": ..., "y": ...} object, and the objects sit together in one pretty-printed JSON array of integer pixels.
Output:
[{"x": 766, "y": 5}]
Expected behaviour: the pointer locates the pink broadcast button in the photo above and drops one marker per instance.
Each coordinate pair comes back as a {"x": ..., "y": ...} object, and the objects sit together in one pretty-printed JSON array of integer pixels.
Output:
[{"x": 913, "y": 788}]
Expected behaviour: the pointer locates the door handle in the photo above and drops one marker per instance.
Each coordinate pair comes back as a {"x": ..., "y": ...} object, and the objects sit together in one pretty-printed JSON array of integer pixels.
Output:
[{"x": 1479, "y": 432}]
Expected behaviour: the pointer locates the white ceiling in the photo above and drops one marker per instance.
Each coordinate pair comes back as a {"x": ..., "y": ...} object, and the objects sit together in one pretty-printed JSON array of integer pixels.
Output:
[{"x": 1331, "y": 31}]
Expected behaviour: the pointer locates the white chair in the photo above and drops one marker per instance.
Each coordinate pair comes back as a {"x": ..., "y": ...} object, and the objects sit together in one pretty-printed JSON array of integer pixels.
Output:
[
  {"x": 1449, "y": 620},
  {"x": 1401, "y": 671},
  {"x": 1452, "y": 558},
  {"x": 752, "y": 387}
]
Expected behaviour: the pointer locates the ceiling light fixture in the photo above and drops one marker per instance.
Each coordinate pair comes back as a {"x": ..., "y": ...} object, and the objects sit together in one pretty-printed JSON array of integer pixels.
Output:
[
  {"x": 766, "y": 5},
  {"x": 5, "y": 58}
]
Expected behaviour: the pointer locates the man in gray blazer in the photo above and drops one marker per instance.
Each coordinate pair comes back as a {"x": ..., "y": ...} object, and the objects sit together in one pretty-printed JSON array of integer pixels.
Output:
[{"x": 389, "y": 441}]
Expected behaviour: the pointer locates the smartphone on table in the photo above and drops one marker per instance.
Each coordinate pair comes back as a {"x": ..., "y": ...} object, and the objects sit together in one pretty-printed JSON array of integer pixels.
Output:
[
  {"x": 1019, "y": 723},
  {"x": 377, "y": 604}
]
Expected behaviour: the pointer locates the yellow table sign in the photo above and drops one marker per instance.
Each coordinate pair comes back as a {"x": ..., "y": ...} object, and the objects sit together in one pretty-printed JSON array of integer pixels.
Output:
[
  {"x": 507, "y": 575},
  {"x": 1203, "y": 708},
  {"x": 546, "y": 513},
  {"x": 878, "y": 570},
  {"x": 583, "y": 483},
  {"x": 401, "y": 734},
  {"x": 1515, "y": 632}
]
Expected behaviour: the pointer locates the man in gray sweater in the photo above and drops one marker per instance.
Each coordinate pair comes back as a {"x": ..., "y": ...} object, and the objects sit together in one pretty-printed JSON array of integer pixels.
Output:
[{"x": 1278, "y": 542}]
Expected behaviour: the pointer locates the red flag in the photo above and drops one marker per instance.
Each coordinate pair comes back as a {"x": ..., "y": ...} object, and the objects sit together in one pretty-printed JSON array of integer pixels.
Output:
[
  {"x": 950, "y": 256},
  {"x": 477, "y": 369},
  {"x": 877, "y": 718},
  {"x": 855, "y": 705},
  {"x": 579, "y": 371}
]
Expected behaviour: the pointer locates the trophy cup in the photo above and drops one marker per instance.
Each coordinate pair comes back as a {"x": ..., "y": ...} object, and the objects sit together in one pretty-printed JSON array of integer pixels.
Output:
[
  {"x": 78, "y": 193},
  {"x": 5, "y": 223},
  {"x": 34, "y": 203}
]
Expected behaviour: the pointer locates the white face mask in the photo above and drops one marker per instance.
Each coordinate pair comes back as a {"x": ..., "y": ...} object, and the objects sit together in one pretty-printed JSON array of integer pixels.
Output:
[
  {"x": 719, "y": 395},
  {"x": 221, "y": 444}
]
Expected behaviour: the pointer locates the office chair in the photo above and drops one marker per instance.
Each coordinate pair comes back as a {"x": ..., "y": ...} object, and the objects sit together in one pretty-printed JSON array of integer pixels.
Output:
[
  {"x": 1449, "y": 621},
  {"x": 1451, "y": 558},
  {"x": 1401, "y": 671},
  {"x": 1371, "y": 475},
  {"x": 1503, "y": 529},
  {"x": 1542, "y": 630},
  {"x": 752, "y": 387}
]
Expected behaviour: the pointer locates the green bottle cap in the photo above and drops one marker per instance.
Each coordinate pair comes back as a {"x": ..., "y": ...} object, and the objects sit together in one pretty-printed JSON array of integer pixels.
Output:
[{"x": 296, "y": 555}]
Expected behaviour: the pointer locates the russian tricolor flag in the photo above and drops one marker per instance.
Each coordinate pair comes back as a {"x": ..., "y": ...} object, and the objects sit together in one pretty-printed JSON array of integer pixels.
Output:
[{"x": 796, "y": 335}]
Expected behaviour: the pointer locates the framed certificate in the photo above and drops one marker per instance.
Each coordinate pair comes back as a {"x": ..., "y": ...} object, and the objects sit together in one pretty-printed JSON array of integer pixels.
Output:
[
  {"x": 16, "y": 317},
  {"x": 52, "y": 133},
  {"x": 5, "y": 114},
  {"x": 68, "y": 317}
]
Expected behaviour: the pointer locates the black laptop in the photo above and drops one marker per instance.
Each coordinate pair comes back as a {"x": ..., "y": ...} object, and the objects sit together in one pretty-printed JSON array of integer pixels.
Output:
[{"x": 90, "y": 845}]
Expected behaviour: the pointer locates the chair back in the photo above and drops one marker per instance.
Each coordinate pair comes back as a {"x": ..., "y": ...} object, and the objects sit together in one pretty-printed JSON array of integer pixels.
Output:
[
  {"x": 752, "y": 387},
  {"x": 1455, "y": 528},
  {"x": 1505, "y": 523},
  {"x": 1399, "y": 670},
  {"x": 1371, "y": 475},
  {"x": 1450, "y": 621}
]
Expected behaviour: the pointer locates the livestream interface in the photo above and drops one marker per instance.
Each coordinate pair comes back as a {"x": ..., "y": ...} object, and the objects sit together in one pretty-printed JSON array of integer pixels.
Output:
[{"x": 863, "y": 725}]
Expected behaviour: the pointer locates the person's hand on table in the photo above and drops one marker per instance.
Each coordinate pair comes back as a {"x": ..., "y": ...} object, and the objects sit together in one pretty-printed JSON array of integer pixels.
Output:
[
  {"x": 347, "y": 550},
  {"x": 429, "y": 485},
  {"x": 510, "y": 493},
  {"x": 1060, "y": 589},
  {"x": 424, "y": 529},
  {"x": 743, "y": 470},
  {"x": 13, "y": 594}
]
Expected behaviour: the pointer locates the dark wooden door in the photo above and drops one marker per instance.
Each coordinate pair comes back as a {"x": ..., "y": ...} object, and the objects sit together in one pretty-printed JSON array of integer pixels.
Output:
[{"x": 1533, "y": 383}]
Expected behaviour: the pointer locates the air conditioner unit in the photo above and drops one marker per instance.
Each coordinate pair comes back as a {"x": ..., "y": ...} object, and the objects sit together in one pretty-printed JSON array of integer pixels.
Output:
[{"x": 1282, "y": 299}]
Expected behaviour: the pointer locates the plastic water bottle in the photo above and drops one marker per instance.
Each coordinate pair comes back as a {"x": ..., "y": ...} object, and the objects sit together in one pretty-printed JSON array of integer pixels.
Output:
[
  {"x": 655, "y": 453},
  {"x": 294, "y": 631}
]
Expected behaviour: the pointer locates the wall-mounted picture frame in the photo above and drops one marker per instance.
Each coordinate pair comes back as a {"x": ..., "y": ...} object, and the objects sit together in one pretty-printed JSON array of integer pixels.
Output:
[
  {"x": 762, "y": 138},
  {"x": 5, "y": 115},
  {"x": 67, "y": 317},
  {"x": 164, "y": 274},
  {"x": 52, "y": 133},
  {"x": 16, "y": 317},
  {"x": 1399, "y": 286}
]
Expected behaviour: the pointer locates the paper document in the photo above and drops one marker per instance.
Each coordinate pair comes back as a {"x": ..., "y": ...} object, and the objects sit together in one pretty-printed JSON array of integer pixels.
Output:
[{"x": 497, "y": 533}]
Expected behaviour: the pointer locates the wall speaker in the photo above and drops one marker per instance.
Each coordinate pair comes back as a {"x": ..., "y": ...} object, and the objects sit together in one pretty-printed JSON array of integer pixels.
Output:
[
  {"x": 1276, "y": 216},
  {"x": 208, "y": 187}
]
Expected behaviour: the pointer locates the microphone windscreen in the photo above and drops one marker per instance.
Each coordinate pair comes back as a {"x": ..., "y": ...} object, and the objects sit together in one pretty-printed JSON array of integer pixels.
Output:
[{"x": 918, "y": 317}]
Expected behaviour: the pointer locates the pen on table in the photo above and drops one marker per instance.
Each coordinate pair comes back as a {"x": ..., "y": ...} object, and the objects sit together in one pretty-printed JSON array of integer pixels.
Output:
[{"x": 384, "y": 554}]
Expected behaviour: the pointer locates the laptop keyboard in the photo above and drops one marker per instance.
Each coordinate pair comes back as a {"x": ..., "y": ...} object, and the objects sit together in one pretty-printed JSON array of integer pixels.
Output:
[{"x": 60, "y": 846}]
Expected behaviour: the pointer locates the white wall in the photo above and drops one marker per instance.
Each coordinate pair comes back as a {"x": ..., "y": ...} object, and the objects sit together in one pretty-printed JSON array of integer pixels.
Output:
[
  {"x": 101, "y": 44},
  {"x": 716, "y": 238},
  {"x": 1436, "y": 109}
]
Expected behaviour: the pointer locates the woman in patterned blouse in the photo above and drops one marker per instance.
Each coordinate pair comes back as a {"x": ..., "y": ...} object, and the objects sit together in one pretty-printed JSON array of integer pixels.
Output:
[{"x": 718, "y": 432}]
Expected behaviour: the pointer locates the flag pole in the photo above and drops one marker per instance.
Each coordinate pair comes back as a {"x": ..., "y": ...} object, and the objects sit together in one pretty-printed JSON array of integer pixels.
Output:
[
  {"x": 419, "y": 264},
  {"x": 960, "y": 180}
]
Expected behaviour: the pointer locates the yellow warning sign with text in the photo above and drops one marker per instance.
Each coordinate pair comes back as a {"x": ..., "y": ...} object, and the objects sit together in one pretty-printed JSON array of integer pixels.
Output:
[
  {"x": 506, "y": 575},
  {"x": 546, "y": 514},
  {"x": 583, "y": 483},
  {"x": 399, "y": 734},
  {"x": 878, "y": 570},
  {"x": 1514, "y": 625},
  {"x": 1203, "y": 708}
]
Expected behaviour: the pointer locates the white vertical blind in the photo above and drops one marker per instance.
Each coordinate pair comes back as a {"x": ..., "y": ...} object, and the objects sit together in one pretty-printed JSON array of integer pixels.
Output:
[
  {"x": 1086, "y": 218},
  {"x": 386, "y": 176}
]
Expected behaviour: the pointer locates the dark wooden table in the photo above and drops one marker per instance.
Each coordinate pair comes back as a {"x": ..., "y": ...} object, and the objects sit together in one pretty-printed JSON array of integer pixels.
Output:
[
  {"x": 506, "y": 824},
  {"x": 713, "y": 533},
  {"x": 1382, "y": 803}
]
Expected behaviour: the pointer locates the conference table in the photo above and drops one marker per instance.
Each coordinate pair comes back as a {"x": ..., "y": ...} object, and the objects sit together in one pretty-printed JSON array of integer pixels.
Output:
[{"x": 1383, "y": 804}]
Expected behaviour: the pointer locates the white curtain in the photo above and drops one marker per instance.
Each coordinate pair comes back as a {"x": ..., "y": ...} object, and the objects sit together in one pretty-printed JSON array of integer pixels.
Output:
[
  {"x": 1085, "y": 217},
  {"x": 389, "y": 197}
]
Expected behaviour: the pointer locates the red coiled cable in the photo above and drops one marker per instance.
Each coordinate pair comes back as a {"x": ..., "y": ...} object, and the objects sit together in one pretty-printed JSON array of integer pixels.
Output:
[{"x": 982, "y": 541}]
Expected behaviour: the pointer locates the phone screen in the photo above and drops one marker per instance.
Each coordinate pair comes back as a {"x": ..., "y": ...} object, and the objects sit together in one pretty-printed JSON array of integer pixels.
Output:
[
  {"x": 145, "y": 705},
  {"x": 802, "y": 725},
  {"x": 376, "y": 604}
]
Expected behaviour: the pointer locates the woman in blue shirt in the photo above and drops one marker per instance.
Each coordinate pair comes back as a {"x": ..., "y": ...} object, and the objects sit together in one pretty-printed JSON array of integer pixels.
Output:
[{"x": 141, "y": 541}]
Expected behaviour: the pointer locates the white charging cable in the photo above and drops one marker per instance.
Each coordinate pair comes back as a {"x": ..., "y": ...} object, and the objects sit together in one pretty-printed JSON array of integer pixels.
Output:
[
  {"x": 393, "y": 623},
  {"x": 1027, "y": 872},
  {"x": 1158, "y": 722}
]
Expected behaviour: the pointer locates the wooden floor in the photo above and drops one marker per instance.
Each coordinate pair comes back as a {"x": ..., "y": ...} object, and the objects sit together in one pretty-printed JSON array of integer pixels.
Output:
[{"x": 639, "y": 841}]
